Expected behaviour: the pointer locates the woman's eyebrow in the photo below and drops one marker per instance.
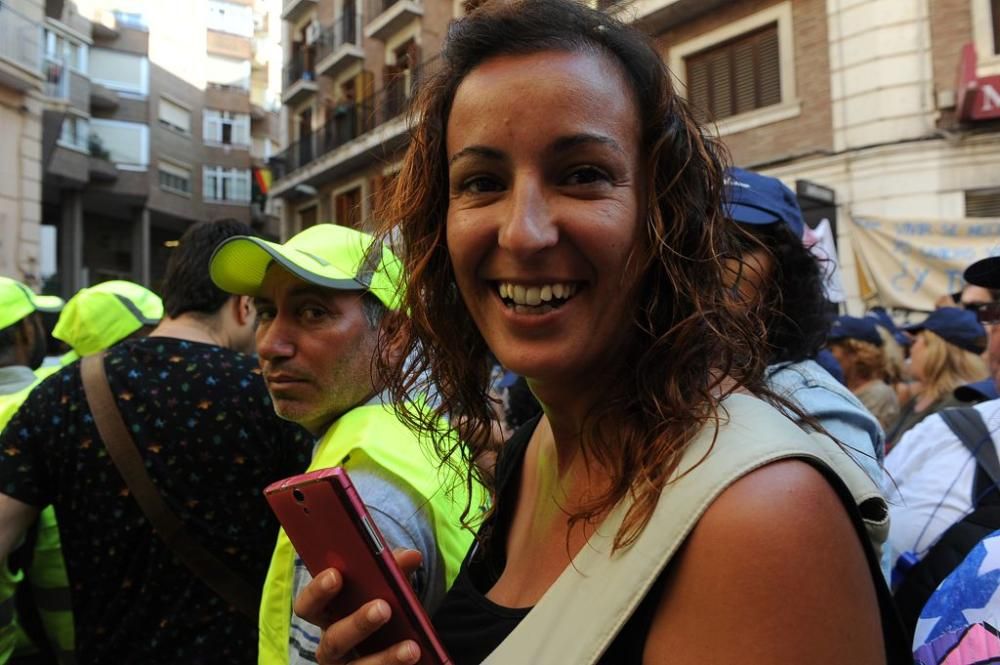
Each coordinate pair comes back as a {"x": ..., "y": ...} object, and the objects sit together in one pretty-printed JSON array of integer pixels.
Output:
[
  {"x": 567, "y": 142},
  {"x": 477, "y": 151}
]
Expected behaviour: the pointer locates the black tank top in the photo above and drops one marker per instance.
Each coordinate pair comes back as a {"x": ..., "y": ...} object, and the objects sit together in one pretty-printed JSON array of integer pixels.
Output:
[{"x": 471, "y": 626}]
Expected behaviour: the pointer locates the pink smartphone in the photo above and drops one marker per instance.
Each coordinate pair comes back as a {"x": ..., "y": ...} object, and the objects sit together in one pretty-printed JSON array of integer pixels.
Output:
[{"x": 330, "y": 527}]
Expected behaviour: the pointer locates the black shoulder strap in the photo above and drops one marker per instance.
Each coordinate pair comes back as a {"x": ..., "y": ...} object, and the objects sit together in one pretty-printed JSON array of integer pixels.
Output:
[
  {"x": 124, "y": 453},
  {"x": 969, "y": 427}
]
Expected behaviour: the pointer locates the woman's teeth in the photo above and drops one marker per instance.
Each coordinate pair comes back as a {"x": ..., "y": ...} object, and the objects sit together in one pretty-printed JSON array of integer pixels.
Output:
[{"x": 535, "y": 295}]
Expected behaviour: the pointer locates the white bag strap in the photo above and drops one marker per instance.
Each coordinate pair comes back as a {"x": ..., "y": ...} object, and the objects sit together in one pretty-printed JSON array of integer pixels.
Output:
[{"x": 586, "y": 607}]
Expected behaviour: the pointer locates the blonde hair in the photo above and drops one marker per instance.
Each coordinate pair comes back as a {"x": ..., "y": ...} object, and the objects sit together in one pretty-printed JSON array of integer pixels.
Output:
[
  {"x": 865, "y": 361},
  {"x": 947, "y": 366},
  {"x": 893, "y": 354}
]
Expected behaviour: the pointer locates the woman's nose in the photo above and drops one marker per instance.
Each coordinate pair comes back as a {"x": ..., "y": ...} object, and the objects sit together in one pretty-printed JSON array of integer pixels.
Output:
[{"x": 530, "y": 225}]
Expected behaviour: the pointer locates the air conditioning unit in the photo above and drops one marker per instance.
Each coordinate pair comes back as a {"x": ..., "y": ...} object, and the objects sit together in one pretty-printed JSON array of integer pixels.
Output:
[{"x": 312, "y": 32}]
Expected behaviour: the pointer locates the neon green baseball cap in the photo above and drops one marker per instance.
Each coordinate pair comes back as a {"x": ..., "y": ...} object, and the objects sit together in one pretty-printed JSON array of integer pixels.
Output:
[
  {"x": 100, "y": 316},
  {"x": 18, "y": 301},
  {"x": 327, "y": 255}
]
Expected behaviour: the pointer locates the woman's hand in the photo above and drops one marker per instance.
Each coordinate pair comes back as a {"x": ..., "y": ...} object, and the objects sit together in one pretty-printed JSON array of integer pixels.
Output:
[{"x": 340, "y": 638}]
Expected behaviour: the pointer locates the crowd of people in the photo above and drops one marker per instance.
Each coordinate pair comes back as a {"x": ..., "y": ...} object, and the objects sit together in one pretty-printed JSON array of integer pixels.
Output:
[{"x": 584, "y": 376}]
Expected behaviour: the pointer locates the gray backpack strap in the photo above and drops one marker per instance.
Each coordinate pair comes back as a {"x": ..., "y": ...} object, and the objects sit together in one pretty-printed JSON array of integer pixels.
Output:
[
  {"x": 969, "y": 427},
  {"x": 587, "y": 606}
]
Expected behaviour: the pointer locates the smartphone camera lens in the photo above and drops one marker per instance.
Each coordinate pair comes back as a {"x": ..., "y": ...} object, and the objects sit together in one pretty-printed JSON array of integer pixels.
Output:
[{"x": 299, "y": 496}]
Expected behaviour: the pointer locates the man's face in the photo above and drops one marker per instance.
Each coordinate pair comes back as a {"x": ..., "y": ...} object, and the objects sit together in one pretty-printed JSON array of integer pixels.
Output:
[
  {"x": 31, "y": 341},
  {"x": 315, "y": 349},
  {"x": 993, "y": 352}
]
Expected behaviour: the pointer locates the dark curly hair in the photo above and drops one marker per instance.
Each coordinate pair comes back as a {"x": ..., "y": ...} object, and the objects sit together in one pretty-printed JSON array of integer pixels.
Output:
[
  {"x": 187, "y": 286},
  {"x": 795, "y": 306},
  {"x": 692, "y": 343}
]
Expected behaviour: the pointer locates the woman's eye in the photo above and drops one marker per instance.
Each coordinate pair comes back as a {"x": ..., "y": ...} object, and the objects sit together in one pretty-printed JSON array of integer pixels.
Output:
[
  {"x": 586, "y": 175},
  {"x": 481, "y": 185}
]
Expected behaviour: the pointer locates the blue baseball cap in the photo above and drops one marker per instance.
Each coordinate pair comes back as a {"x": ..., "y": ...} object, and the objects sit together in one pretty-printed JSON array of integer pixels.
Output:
[
  {"x": 882, "y": 319},
  {"x": 852, "y": 327},
  {"x": 955, "y": 326},
  {"x": 985, "y": 273},
  {"x": 980, "y": 391},
  {"x": 752, "y": 198}
]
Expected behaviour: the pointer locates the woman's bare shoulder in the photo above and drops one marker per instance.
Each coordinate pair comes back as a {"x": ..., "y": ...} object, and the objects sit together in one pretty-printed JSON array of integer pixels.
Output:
[{"x": 773, "y": 572}]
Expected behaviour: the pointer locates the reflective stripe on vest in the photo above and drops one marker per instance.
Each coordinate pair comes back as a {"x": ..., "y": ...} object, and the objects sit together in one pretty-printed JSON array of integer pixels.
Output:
[
  {"x": 46, "y": 574},
  {"x": 377, "y": 431}
]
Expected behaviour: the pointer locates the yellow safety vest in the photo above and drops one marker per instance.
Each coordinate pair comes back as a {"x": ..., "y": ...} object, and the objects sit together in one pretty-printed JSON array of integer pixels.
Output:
[
  {"x": 375, "y": 430},
  {"x": 46, "y": 575}
]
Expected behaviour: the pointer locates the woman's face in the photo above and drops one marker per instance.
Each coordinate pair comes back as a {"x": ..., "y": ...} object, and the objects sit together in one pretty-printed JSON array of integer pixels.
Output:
[
  {"x": 545, "y": 198},
  {"x": 918, "y": 356}
]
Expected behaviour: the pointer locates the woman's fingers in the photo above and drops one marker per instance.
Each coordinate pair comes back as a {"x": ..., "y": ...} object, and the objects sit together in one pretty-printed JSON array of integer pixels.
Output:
[
  {"x": 340, "y": 639},
  {"x": 314, "y": 600},
  {"x": 408, "y": 560}
]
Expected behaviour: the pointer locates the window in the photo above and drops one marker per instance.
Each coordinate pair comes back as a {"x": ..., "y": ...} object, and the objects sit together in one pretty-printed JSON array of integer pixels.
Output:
[
  {"x": 229, "y": 185},
  {"x": 227, "y": 17},
  {"x": 75, "y": 132},
  {"x": 737, "y": 76},
  {"x": 175, "y": 116},
  {"x": 227, "y": 128},
  {"x": 347, "y": 207},
  {"x": 227, "y": 72},
  {"x": 124, "y": 72},
  {"x": 995, "y": 13},
  {"x": 982, "y": 203},
  {"x": 175, "y": 178},
  {"x": 134, "y": 20},
  {"x": 66, "y": 51},
  {"x": 127, "y": 143}
]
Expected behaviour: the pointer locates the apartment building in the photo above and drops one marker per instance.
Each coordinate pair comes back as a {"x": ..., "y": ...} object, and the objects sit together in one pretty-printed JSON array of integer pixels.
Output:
[
  {"x": 853, "y": 103},
  {"x": 351, "y": 67},
  {"x": 22, "y": 90},
  {"x": 158, "y": 116}
]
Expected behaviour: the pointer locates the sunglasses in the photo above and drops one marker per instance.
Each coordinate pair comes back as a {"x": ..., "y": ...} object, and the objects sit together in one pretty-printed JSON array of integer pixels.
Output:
[{"x": 986, "y": 312}]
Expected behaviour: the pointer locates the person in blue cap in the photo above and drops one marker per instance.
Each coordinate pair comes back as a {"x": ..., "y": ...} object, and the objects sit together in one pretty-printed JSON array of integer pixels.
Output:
[
  {"x": 858, "y": 347},
  {"x": 937, "y": 491},
  {"x": 946, "y": 353},
  {"x": 780, "y": 274}
]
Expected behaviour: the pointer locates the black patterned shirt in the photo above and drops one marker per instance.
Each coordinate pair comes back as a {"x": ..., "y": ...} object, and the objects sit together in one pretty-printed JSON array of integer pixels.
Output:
[{"x": 204, "y": 424}]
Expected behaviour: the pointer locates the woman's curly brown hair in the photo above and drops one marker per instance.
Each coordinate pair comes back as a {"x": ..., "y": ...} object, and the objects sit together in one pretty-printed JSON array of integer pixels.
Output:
[{"x": 693, "y": 342}]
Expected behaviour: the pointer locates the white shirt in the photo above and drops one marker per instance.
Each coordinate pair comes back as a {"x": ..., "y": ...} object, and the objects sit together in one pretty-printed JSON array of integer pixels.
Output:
[{"x": 928, "y": 481}]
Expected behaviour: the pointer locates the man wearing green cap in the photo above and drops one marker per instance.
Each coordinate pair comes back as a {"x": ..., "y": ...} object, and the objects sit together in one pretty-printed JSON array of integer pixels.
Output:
[
  {"x": 321, "y": 298},
  {"x": 22, "y": 349},
  {"x": 194, "y": 404}
]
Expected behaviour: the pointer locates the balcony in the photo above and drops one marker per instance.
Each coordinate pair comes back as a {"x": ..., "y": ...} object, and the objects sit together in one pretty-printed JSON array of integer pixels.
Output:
[
  {"x": 386, "y": 17},
  {"x": 299, "y": 78},
  {"x": 292, "y": 10},
  {"x": 56, "y": 79},
  {"x": 356, "y": 133},
  {"x": 20, "y": 50},
  {"x": 339, "y": 46}
]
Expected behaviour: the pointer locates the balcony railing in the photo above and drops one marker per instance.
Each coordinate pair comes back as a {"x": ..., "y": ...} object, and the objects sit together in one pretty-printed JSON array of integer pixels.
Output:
[
  {"x": 385, "y": 18},
  {"x": 351, "y": 120},
  {"x": 298, "y": 69},
  {"x": 345, "y": 30},
  {"x": 20, "y": 39},
  {"x": 56, "y": 78}
]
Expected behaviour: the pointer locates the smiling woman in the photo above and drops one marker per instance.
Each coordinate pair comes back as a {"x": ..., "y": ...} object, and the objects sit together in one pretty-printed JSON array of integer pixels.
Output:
[{"x": 562, "y": 212}]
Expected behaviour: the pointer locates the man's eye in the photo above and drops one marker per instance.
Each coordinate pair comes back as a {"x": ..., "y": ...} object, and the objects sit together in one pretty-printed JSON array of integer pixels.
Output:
[
  {"x": 265, "y": 314},
  {"x": 313, "y": 313}
]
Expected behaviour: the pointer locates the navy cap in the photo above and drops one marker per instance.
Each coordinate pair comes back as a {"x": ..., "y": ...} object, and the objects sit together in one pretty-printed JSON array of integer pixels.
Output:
[
  {"x": 752, "y": 198},
  {"x": 882, "y": 319},
  {"x": 851, "y": 327},
  {"x": 980, "y": 391},
  {"x": 955, "y": 326},
  {"x": 985, "y": 272}
]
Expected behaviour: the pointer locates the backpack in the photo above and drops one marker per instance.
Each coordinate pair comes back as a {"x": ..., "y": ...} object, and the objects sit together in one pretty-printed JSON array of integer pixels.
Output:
[{"x": 921, "y": 581}]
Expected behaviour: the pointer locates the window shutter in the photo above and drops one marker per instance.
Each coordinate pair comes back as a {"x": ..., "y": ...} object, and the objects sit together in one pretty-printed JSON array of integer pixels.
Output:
[
  {"x": 737, "y": 76},
  {"x": 982, "y": 203},
  {"x": 995, "y": 11}
]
